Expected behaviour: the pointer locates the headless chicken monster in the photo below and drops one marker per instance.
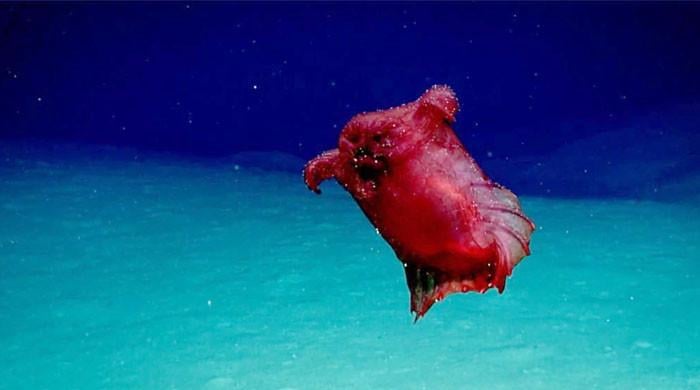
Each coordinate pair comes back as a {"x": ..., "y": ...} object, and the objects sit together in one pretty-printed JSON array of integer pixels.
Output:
[{"x": 453, "y": 228}]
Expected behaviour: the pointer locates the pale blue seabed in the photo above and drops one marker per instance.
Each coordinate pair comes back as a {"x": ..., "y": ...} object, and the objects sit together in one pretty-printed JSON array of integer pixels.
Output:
[{"x": 159, "y": 272}]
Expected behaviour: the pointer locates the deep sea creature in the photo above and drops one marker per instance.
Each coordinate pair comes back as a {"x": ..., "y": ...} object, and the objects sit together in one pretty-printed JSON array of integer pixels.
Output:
[{"x": 453, "y": 228}]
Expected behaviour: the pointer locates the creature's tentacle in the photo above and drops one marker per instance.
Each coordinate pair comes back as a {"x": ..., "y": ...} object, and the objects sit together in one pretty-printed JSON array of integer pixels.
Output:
[{"x": 321, "y": 168}]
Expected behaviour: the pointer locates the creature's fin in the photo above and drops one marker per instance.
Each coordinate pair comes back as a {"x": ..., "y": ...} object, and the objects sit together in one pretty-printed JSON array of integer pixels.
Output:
[{"x": 505, "y": 221}]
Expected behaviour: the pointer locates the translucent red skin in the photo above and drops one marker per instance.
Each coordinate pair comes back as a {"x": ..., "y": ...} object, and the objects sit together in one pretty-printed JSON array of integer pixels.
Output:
[{"x": 452, "y": 227}]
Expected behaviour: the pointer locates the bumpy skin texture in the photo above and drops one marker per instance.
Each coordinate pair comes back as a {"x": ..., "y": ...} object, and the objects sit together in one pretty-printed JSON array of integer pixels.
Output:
[{"x": 452, "y": 227}]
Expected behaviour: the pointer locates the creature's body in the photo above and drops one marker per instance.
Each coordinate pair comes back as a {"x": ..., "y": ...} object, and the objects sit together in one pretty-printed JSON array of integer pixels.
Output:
[{"x": 453, "y": 228}]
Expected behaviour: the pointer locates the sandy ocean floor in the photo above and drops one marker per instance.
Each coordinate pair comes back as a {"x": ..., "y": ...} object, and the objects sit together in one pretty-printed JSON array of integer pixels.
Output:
[{"x": 119, "y": 270}]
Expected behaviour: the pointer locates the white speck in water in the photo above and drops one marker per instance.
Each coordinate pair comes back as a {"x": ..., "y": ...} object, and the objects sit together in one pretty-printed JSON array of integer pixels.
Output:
[
  {"x": 489, "y": 153},
  {"x": 209, "y": 302},
  {"x": 643, "y": 344},
  {"x": 38, "y": 99},
  {"x": 255, "y": 86},
  {"x": 236, "y": 167}
]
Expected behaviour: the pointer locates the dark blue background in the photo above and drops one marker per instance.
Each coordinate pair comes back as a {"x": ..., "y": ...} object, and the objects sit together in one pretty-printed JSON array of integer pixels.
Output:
[{"x": 212, "y": 79}]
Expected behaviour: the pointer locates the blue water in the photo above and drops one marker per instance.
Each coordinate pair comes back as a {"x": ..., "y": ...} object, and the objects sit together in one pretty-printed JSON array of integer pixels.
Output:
[{"x": 123, "y": 269}]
